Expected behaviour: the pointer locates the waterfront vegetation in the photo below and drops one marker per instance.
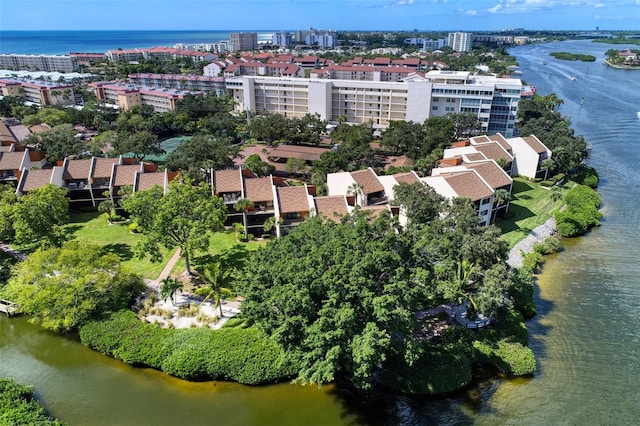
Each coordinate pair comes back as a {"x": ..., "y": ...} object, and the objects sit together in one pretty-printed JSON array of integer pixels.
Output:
[
  {"x": 18, "y": 406},
  {"x": 573, "y": 56},
  {"x": 531, "y": 206}
]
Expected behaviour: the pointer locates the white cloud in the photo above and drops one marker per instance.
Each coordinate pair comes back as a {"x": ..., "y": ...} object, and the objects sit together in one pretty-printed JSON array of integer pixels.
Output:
[
  {"x": 471, "y": 12},
  {"x": 524, "y": 6}
]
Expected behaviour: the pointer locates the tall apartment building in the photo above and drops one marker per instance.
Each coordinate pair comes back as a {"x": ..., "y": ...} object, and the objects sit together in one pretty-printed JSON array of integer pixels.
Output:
[
  {"x": 50, "y": 63},
  {"x": 460, "y": 42},
  {"x": 39, "y": 92},
  {"x": 282, "y": 39},
  {"x": 196, "y": 83},
  {"x": 416, "y": 98},
  {"x": 244, "y": 41},
  {"x": 126, "y": 96}
]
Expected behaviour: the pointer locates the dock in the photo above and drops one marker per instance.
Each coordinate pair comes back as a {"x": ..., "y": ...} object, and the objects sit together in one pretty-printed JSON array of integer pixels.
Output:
[{"x": 8, "y": 307}]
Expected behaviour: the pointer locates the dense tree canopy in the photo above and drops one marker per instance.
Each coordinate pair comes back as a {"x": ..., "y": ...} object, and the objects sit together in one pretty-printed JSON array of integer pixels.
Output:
[
  {"x": 182, "y": 218},
  {"x": 57, "y": 143},
  {"x": 202, "y": 152},
  {"x": 539, "y": 116},
  {"x": 346, "y": 301},
  {"x": 35, "y": 217},
  {"x": 62, "y": 288}
]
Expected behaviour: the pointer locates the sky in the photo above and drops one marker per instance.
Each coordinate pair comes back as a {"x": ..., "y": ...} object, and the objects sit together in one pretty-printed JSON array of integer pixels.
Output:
[{"x": 406, "y": 15}]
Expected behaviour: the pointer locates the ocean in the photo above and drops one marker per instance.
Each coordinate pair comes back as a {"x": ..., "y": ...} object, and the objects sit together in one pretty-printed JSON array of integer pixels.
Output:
[{"x": 64, "y": 42}]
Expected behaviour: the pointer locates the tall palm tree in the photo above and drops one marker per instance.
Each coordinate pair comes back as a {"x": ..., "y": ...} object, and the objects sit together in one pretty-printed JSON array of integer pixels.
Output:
[
  {"x": 243, "y": 205},
  {"x": 217, "y": 281},
  {"x": 169, "y": 287},
  {"x": 501, "y": 196}
]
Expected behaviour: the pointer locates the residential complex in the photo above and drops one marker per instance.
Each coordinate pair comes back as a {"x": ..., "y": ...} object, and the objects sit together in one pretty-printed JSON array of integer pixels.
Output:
[
  {"x": 198, "y": 83},
  {"x": 460, "y": 42},
  {"x": 40, "y": 92},
  {"x": 50, "y": 63},
  {"x": 416, "y": 98},
  {"x": 126, "y": 96},
  {"x": 244, "y": 41}
]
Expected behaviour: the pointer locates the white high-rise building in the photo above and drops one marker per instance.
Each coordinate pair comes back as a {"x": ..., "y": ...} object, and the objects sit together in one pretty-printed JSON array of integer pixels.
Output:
[
  {"x": 460, "y": 42},
  {"x": 416, "y": 98}
]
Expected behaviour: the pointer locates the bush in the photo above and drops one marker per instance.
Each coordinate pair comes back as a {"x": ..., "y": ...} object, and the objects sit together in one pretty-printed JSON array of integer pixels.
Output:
[
  {"x": 550, "y": 245},
  {"x": 434, "y": 372},
  {"x": 582, "y": 195},
  {"x": 240, "y": 354},
  {"x": 19, "y": 407},
  {"x": 532, "y": 261},
  {"x": 521, "y": 292},
  {"x": 508, "y": 357},
  {"x": 587, "y": 176},
  {"x": 133, "y": 228}
]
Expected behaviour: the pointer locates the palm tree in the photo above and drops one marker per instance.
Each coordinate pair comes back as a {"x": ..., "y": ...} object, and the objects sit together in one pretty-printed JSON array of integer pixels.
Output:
[
  {"x": 243, "y": 205},
  {"x": 547, "y": 165},
  {"x": 169, "y": 288},
  {"x": 501, "y": 196},
  {"x": 355, "y": 189},
  {"x": 217, "y": 280}
]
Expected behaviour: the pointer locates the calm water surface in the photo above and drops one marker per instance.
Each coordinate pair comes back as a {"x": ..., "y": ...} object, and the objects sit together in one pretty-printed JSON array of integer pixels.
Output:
[{"x": 586, "y": 336}]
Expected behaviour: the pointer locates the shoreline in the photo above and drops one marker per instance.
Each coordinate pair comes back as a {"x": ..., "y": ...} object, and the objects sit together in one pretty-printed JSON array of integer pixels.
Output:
[
  {"x": 538, "y": 235},
  {"x": 620, "y": 67}
]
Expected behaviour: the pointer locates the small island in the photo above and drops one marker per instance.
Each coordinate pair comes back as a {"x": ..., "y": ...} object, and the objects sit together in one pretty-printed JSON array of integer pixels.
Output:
[
  {"x": 625, "y": 59},
  {"x": 566, "y": 56}
]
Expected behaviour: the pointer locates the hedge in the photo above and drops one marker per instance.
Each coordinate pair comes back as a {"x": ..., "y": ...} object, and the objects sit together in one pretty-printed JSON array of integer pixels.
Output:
[
  {"x": 19, "y": 407},
  {"x": 240, "y": 354},
  {"x": 582, "y": 211}
]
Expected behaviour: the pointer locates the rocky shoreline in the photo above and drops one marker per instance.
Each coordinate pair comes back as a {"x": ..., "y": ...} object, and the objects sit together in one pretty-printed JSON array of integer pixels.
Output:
[{"x": 538, "y": 235}]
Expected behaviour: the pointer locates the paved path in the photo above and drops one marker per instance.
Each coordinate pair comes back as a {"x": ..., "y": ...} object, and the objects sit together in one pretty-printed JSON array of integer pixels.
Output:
[
  {"x": 538, "y": 235},
  {"x": 155, "y": 284},
  {"x": 11, "y": 252}
]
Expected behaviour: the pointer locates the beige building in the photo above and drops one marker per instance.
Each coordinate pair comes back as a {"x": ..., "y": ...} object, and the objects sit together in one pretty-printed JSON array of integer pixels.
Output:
[
  {"x": 416, "y": 98},
  {"x": 244, "y": 41},
  {"x": 126, "y": 96},
  {"x": 39, "y": 92}
]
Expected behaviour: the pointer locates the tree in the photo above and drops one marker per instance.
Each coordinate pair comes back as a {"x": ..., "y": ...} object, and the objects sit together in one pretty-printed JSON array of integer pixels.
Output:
[
  {"x": 140, "y": 144},
  {"x": 57, "y": 143},
  {"x": 39, "y": 216},
  {"x": 420, "y": 202},
  {"x": 107, "y": 206},
  {"x": 547, "y": 165},
  {"x": 295, "y": 166},
  {"x": 501, "y": 196},
  {"x": 61, "y": 288},
  {"x": 404, "y": 138},
  {"x": 259, "y": 167},
  {"x": 181, "y": 218},
  {"x": 218, "y": 280},
  {"x": 465, "y": 124},
  {"x": 243, "y": 205},
  {"x": 200, "y": 153},
  {"x": 343, "y": 303},
  {"x": 169, "y": 287}
]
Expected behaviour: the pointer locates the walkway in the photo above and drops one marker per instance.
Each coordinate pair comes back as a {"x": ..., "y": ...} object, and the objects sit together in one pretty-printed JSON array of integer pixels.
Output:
[
  {"x": 12, "y": 252},
  {"x": 538, "y": 235},
  {"x": 155, "y": 284}
]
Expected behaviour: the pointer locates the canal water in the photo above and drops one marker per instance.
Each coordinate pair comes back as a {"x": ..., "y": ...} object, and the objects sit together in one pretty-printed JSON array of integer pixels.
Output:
[{"x": 586, "y": 336}]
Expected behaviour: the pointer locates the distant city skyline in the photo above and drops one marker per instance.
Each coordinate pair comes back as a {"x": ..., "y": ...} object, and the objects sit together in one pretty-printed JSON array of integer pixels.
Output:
[{"x": 424, "y": 15}]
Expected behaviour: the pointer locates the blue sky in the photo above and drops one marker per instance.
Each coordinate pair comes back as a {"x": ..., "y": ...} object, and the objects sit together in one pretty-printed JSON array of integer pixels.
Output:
[{"x": 429, "y": 15}]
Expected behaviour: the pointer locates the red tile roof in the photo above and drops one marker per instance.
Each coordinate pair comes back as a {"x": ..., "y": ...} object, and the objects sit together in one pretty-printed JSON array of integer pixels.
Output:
[
  {"x": 468, "y": 184},
  {"x": 332, "y": 207},
  {"x": 258, "y": 189},
  {"x": 227, "y": 181},
  {"x": 368, "y": 180}
]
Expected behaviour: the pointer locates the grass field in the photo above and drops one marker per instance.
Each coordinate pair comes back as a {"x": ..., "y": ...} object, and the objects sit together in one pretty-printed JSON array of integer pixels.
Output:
[
  {"x": 94, "y": 228},
  {"x": 531, "y": 206},
  {"x": 116, "y": 238}
]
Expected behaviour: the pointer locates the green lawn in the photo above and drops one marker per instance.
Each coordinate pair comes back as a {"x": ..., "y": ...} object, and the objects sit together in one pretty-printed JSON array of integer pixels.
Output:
[
  {"x": 94, "y": 228},
  {"x": 531, "y": 206},
  {"x": 223, "y": 242}
]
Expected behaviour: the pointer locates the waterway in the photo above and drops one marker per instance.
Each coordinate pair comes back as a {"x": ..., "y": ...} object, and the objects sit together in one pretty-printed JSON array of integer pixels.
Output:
[{"x": 586, "y": 335}]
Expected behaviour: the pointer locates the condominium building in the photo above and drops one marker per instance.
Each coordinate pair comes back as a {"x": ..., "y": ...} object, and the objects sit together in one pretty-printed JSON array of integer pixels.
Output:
[
  {"x": 49, "y": 63},
  {"x": 282, "y": 39},
  {"x": 40, "y": 92},
  {"x": 416, "y": 98},
  {"x": 126, "y": 96},
  {"x": 197, "y": 83},
  {"x": 460, "y": 42},
  {"x": 244, "y": 41}
]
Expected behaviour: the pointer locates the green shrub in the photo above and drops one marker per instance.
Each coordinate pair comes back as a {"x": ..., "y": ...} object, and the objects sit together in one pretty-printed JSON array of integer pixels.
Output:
[
  {"x": 133, "y": 228},
  {"x": 508, "y": 326},
  {"x": 550, "y": 245},
  {"x": 434, "y": 372},
  {"x": 19, "y": 407},
  {"x": 508, "y": 357},
  {"x": 532, "y": 260},
  {"x": 587, "y": 176},
  {"x": 241, "y": 354},
  {"x": 581, "y": 195}
]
